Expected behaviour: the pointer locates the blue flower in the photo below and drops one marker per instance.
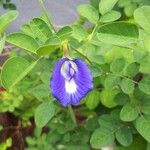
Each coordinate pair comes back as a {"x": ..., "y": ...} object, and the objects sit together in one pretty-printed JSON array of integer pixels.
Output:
[{"x": 71, "y": 81}]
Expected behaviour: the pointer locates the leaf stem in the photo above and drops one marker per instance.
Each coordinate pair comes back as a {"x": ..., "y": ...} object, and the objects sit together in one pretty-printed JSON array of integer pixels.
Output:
[
  {"x": 46, "y": 14},
  {"x": 72, "y": 114}
]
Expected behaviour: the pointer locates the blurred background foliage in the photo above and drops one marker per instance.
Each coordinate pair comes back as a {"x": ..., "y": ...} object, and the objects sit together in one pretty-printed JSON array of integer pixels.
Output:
[{"x": 112, "y": 36}]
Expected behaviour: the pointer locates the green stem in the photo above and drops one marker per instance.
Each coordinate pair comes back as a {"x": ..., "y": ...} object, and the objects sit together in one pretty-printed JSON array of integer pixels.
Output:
[
  {"x": 72, "y": 114},
  {"x": 46, "y": 14}
]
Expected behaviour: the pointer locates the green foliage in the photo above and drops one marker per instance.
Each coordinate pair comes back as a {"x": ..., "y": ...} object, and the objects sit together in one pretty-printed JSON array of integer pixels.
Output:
[
  {"x": 6, "y": 19},
  {"x": 46, "y": 109},
  {"x": 115, "y": 47},
  {"x": 6, "y": 144}
]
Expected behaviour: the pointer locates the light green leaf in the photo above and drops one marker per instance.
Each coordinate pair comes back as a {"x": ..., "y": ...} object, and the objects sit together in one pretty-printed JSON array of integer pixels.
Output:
[
  {"x": 7, "y": 19},
  {"x": 92, "y": 99},
  {"x": 145, "y": 65},
  {"x": 44, "y": 113},
  {"x": 145, "y": 107},
  {"x": 102, "y": 137},
  {"x": 53, "y": 40},
  {"x": 132, "y": 69},
  {"x": 142, "y": 17},
  {"x": 124, "y": 136},
  {"x": 40, "y": 29},
  {"x": 89, "y": 12},
  {"x": 64, "y": 32},
  {"x": 14, "y": 70},
  {"x": 106, "y": 6},
  {"x": 27, "y": 30},
  {"x": 111, "y": 82},
  {"x": 118, "y": 33},
  {"x": 2, "y": 43},
  {"x": 144, "y": 85},
  {"x": 143, "y": 127},
  {"x": 110, "y": 16},
  {"x": 23, "y": 41},
  {"x": 117, "y": 66},
  {"x": 127, "y": 86},
  {"x": 129, "y": 112},
  {"x": 46, "y": 50}
]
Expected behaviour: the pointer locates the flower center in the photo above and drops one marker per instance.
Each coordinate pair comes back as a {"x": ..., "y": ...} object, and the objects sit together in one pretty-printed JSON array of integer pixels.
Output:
[{"x": 68, "y": 70}]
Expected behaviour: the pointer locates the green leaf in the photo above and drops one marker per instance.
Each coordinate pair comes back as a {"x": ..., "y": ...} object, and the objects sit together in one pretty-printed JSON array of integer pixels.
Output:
[
  {"x": 14, "y": 70},
  {"x": 106, "y": 6},
  {"x": 118, "y": 33},
  {"x": 53, "y": 40},
  {"x": 145, "y": 107},
  {"x": 110, "y": 16},
  {"x": 2, "y": 43},
  {"x": 121, "y": 98},
  {"x": 124, "y": 136},
  {"x": 64, "y": 32},
  {"x": 111, "y": 82},
  {"x": 89, "y": 12},
  {"x": 129, "y": 112},
  {"x": 40, "y": 29},
  {"x": 7, "y": 19},
  {"x": 132, "y": 69},
  {"x": 143, "y": 127},
  {"x": 27, "y": 29},
  {"x": 127, "y": 86},
  {"x": 142, "y": 17},
  {"x": 107, "y": 98},
  {"x": 117, "y": 66},
  {"x": 107, "y": 121},
  {"x": 23, "y": 41},
  {"x": 46, "y": 50},
  {"x": 102, "y": 137},
  {"x": 44, "y": 113},
  {"x": 92, "y": 99},
  {"x": 41, "y": 91},
  {"x": 145, "y": 64},
  {"x": 144, "y": 85},
  {"x": 79, "y": 32}
]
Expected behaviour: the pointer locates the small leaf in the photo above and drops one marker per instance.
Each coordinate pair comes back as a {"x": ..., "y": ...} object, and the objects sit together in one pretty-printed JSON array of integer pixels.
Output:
[
  {"x": 142, "y": 17},
  {"x": 102, "y": 137},
  {"x": 89, "y": 12},
  {"x": 129, "y": 112},
  {"x": 106, "y": 5},
  {"x": 127, "y": 86},
  {"x": 117, "y": 66},
  {"x": 111, "y": 82},
  {"x": 53, "y": 40},
  {"x": 93, "y": 99},
  {"x": 124, "y": 136},
  {"x": 23, "y": 41},
  {"x": 144, "y": 85},
  {"x": 143, "y": 127},
  {"x": 132, "y": 69},
  {"x": 14, "y": 70},
  {"x": 46, "y": 50},
  {"x": 7, "y": 19},
  {"x": 40, "y": 29},
  {"x": 118, "y": 33},
  {"x": 145, "y": 65},
  {"x": 110, "y": 16},
  {"x": 64, "y": 32},
  {"x": 44, "y": 113}
]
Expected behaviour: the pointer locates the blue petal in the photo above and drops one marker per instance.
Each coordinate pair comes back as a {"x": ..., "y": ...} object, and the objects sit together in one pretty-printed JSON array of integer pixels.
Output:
[{"x": 71, "y": 85}]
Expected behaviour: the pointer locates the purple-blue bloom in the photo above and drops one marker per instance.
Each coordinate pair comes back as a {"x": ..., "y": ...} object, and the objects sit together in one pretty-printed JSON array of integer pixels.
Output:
[{"x": 71, "y": 81}]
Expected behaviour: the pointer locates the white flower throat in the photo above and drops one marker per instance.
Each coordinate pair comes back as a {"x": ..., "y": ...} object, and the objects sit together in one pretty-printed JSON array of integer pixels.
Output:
[{"x": 68, "y": 71}]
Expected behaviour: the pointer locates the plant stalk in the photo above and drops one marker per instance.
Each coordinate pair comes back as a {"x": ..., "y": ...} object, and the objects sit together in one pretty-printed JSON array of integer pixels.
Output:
[
  {"x": 46, "y": 14},
  {"x": 72, "y": 114}
]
